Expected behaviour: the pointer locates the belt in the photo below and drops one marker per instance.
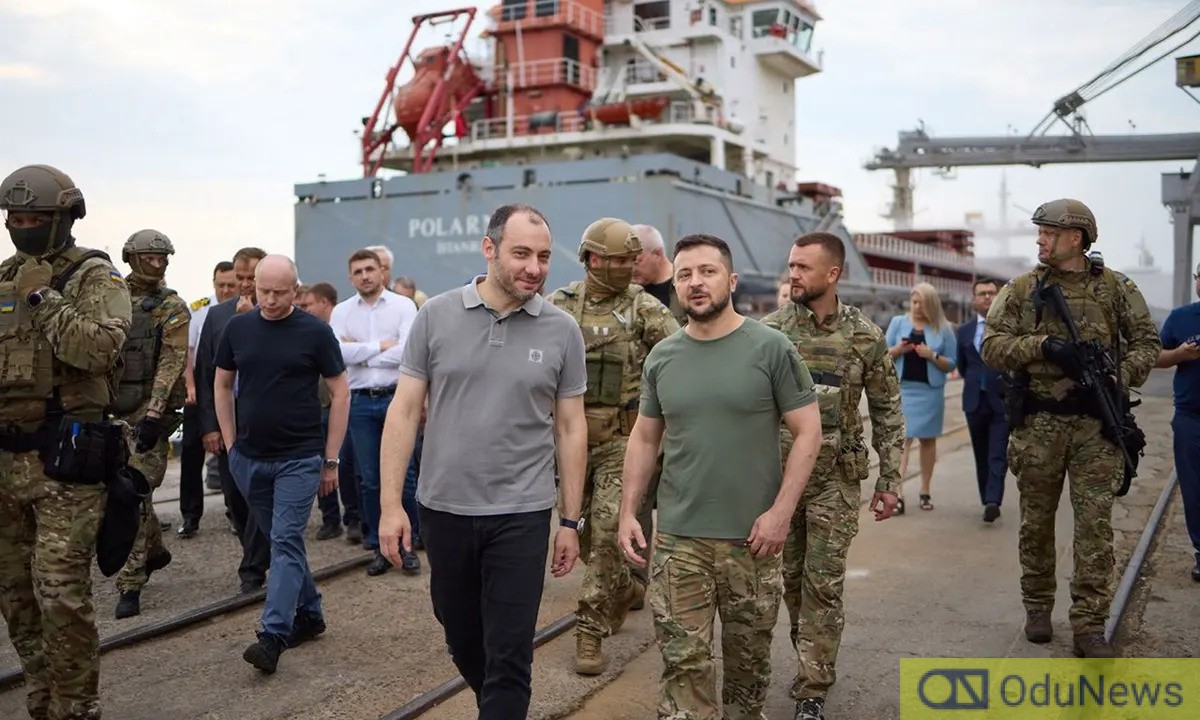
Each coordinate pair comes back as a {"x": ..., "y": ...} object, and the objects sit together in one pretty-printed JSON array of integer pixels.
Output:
[{"x": 375, "y": 391}]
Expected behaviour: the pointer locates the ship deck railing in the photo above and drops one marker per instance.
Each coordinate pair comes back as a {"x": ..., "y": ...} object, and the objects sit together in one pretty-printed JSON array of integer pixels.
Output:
[
  {"x": 541, "y": 13},
  {"x": 565, "y": 121},
  {"x": 946, "y": 287},
  {"x": 540, "y": 73},
  {"x": 903, "y": 249}
]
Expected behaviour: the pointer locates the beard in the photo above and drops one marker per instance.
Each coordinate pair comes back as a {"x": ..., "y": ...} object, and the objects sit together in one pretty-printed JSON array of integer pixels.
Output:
[
  {"x": 508, "y": 283},
  {"x": 808, "y": 294},
  {"x": 715, "y": 308}
]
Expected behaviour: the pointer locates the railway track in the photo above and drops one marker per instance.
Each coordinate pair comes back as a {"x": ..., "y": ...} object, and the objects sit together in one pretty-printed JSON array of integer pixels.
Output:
[{"x": 12, "y": 678}]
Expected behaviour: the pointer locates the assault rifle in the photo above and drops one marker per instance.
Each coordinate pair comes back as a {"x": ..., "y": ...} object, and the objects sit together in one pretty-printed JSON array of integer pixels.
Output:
[{"x": 1100, "y": 379}]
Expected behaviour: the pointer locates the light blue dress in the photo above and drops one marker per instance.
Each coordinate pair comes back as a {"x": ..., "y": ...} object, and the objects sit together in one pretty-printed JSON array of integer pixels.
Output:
[{"x": 923, "y": 404}]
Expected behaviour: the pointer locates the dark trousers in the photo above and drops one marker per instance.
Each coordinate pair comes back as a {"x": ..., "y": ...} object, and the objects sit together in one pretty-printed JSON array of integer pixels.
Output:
[
  {"x": 989, "y": 440},
  {"x": 1186, "y": 428},
  {"x": 486, "y": 576},
  {"x": 331, "y": 512},
  {"x": 191, "y": 467},
  {"x": 256, "y": 547}
]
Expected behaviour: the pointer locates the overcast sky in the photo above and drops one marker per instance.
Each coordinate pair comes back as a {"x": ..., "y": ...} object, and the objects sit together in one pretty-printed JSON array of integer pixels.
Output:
[{"x": 197, "y": 118}]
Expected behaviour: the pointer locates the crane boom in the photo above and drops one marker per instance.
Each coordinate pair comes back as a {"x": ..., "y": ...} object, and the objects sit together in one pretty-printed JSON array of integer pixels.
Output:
[{"x": 916, "y": 149}]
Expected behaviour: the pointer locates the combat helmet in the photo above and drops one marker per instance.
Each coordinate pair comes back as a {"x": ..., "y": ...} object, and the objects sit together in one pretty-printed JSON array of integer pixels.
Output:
[
  {"x": 1067, "y": 213},
  {"x": 41, "y": 188},
  {"x": 145, "y": 242},
  {"x": 607, "y": 237}
]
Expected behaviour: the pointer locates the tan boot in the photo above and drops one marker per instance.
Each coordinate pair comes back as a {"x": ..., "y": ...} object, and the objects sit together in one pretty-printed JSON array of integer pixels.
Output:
[
  {"x": 635, "y": 594},
  {"x": 1093, "y": 645},
  {"x": 639, "y": 594},
  {"x": 1038, "y": 628},
  {"x": 589, "y": 660}
]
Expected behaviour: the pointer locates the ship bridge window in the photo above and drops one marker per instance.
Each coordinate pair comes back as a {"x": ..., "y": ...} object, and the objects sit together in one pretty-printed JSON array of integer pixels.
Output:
[
  {"x": 545, "y": 8},
  {"x": 652, "y": 14},
  {"x": 513, "y": 10},
  {"x": 762, "y": 22}
]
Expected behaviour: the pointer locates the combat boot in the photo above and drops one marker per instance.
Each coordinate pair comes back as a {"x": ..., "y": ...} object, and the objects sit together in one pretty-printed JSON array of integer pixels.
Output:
[
  {"x": 130, "y": 604},
  {"x": 810, "y": 709},
  {"x": 635, "y": 594},
  {"x": 589, "y": 660},
  {"x": 1038, "y": 628},
  {"x": 1093, "y": 645}
]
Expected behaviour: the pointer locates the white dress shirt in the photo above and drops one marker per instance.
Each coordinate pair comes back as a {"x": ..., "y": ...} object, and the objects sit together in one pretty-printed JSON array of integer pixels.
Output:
[{"x": 359, "y": 327}]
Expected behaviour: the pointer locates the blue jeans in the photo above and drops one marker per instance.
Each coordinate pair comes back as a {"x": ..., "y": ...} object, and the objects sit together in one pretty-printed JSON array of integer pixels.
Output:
[
  {"x": 280, "y": 494},
  {"x": 367, "y": 414},
  {"x": 1186, "y": 427}
]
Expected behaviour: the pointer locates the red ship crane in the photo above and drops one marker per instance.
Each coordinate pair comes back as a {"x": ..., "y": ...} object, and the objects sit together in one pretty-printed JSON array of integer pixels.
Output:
[{"x": 444, "y": 82}]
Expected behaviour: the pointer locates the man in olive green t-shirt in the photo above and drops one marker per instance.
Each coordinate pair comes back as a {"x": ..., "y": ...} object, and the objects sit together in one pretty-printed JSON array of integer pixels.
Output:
[{"x": 714, "y": 395}]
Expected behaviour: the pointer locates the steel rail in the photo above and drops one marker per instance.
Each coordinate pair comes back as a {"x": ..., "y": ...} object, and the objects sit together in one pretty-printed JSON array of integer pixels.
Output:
[
  {"x": 1133, "y": 569},
  {"x": 12, "y": 678}
]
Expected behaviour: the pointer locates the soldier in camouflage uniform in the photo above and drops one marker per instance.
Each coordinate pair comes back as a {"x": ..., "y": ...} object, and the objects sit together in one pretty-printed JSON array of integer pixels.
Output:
[
  {"x": 846, "y": 354},
  {"x": 620, "y": 324},
  {"x": 64, "y": 315},
  {"x": 150, "y": 395},
  {"x": 1054, "y": 431}
]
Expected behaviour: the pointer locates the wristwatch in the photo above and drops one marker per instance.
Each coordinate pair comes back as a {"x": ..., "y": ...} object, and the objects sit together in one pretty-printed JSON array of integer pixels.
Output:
[
  {"x": 332, "y": 463},
  {"x": 576, "y": 525}
]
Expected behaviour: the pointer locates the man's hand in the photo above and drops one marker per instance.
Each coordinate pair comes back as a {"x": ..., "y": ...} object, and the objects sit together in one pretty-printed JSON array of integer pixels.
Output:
[
  {"x": 769, "y": 532},
  {"x": 884, "y": 504},
  {"x": 395, "y": 530},
  {"x": 329, "y": 481},
  {"x": 212, "y": 442},
  {"x": 33, "y": 275},
  {"x": 244, "y": 304},
  {"x": 385, "y": 345},
  {"x": 629, "y": 532},
  {"x": 1064, "y": 354},
  {"x": 148, "y": 433},
  {"x": 1188, "y": 351},
  {"x": 566, "y": 551},
  {"x": 191, "y": 394}
]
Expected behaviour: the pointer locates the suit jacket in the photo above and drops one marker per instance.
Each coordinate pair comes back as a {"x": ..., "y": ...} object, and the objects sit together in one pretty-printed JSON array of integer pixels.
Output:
[
  {"x": 206, "y": 362},
  {"x": 940, "y": 341},
  {"x": 972, "y": 369}
]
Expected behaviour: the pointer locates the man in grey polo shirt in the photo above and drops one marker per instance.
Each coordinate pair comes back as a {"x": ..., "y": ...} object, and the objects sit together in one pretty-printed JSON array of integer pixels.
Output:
[{"x": 505, "y": 375}]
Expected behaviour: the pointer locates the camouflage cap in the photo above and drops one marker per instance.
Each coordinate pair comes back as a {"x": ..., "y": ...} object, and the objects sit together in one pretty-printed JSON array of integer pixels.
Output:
[
  {"x": 147, "y": 241},
  {"x": 607, "y": 237},
  {"x": 1067, "y": 213},
  {"x": 41, "y": 188}
]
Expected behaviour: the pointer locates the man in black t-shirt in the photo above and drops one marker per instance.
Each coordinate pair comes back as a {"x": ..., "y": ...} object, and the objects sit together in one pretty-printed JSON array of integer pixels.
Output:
[
  {"x": 271, "y": 359},
  {"x": 655, "y": 273}
]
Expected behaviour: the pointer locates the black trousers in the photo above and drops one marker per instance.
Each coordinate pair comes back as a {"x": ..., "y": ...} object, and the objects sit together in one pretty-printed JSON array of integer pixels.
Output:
[
  {"x": 191, "y": 467},
  {"x": 486, "y": 578},
  {"x": 256, "y": 547}
]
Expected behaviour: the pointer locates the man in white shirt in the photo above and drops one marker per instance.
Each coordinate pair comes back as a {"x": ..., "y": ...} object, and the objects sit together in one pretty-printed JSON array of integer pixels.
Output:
[
  {"x": 191, "y": 454},
  {"x": 372, "y": 327}
]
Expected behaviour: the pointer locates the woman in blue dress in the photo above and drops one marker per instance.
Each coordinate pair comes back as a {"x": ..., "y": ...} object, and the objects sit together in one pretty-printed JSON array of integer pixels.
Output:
[{"x": 922, "y": 344}]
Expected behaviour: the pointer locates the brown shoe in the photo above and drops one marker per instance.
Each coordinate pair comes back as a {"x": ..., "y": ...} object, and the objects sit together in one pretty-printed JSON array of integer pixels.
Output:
[
  {"x": 1038, "y": 628},
  {"x": 1093, "y": 645},
  {"x": 589, "y": 660},
  {"x": 635, "y": 594}
]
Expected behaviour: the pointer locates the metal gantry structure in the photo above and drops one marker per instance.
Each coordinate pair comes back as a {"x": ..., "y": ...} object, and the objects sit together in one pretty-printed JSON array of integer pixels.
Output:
[{"x": 1181, "y": 190}]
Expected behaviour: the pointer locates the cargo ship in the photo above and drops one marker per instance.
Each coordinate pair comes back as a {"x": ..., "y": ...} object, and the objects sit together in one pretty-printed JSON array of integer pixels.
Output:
[{"x": 674, "y": 113}]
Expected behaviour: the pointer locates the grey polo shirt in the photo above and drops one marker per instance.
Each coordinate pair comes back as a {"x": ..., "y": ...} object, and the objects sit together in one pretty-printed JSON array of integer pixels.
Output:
[{"x": 493, "y": 381}]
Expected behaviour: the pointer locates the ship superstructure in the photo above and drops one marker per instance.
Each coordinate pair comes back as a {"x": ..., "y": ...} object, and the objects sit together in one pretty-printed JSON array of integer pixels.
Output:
[{"x": 676, "y": 113}]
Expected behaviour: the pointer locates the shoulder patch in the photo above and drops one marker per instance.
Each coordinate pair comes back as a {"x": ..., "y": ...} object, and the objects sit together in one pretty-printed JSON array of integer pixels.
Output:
[
  {"x": 202, "y": 302},
  {"x": 1128, "y": 282},
  {"x": 114, "y": 275}
]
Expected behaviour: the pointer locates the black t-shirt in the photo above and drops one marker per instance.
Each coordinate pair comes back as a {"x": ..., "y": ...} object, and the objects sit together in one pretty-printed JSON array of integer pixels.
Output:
[
  {"x": 279, "y": 364},
  {"x": 662, "y": 291},
  {"x": 915, "y": 369}
]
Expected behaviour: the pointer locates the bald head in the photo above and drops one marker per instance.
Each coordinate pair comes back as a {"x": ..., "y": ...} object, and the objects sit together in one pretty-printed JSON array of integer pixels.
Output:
[{"x": 275, "y": 283}]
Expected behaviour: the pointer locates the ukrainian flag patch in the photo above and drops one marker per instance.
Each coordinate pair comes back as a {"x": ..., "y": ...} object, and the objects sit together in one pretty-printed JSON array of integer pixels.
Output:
[
  {"x": 7, "y": 306},
  {"x": 115, "y": 275}
]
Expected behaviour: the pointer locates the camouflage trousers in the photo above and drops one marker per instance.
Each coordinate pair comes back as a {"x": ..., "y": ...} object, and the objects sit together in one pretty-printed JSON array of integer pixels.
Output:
[
  {"x": 149, "y": 541},
  {"x": 607, "y": 575},
  {"x": 1039, "y": 454},
  {"x": 47, "y": 545},
  {"x": 694, "y": 579},
  {"x": 814, "y": 571}
]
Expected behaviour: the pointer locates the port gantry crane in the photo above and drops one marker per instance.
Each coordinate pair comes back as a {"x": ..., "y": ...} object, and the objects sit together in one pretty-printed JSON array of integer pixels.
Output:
[{"x": 1180, "y": 190}]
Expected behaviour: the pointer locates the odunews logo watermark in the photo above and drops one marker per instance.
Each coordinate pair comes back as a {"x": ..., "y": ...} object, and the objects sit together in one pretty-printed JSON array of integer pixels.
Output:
[{"x": 963, "y": 689}]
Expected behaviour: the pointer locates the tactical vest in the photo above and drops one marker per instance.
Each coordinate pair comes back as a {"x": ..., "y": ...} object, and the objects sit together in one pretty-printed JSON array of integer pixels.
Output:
[
  {"x": 1094, "y": 303},
  {"x": 613, "y": 354},
  {"x": 29, "y": 372},
  {"x": 140, "y": 353}
]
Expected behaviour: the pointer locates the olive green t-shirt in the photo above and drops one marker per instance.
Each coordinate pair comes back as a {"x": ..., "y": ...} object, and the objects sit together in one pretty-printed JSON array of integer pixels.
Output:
[{"x": 721, "y": 402}]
